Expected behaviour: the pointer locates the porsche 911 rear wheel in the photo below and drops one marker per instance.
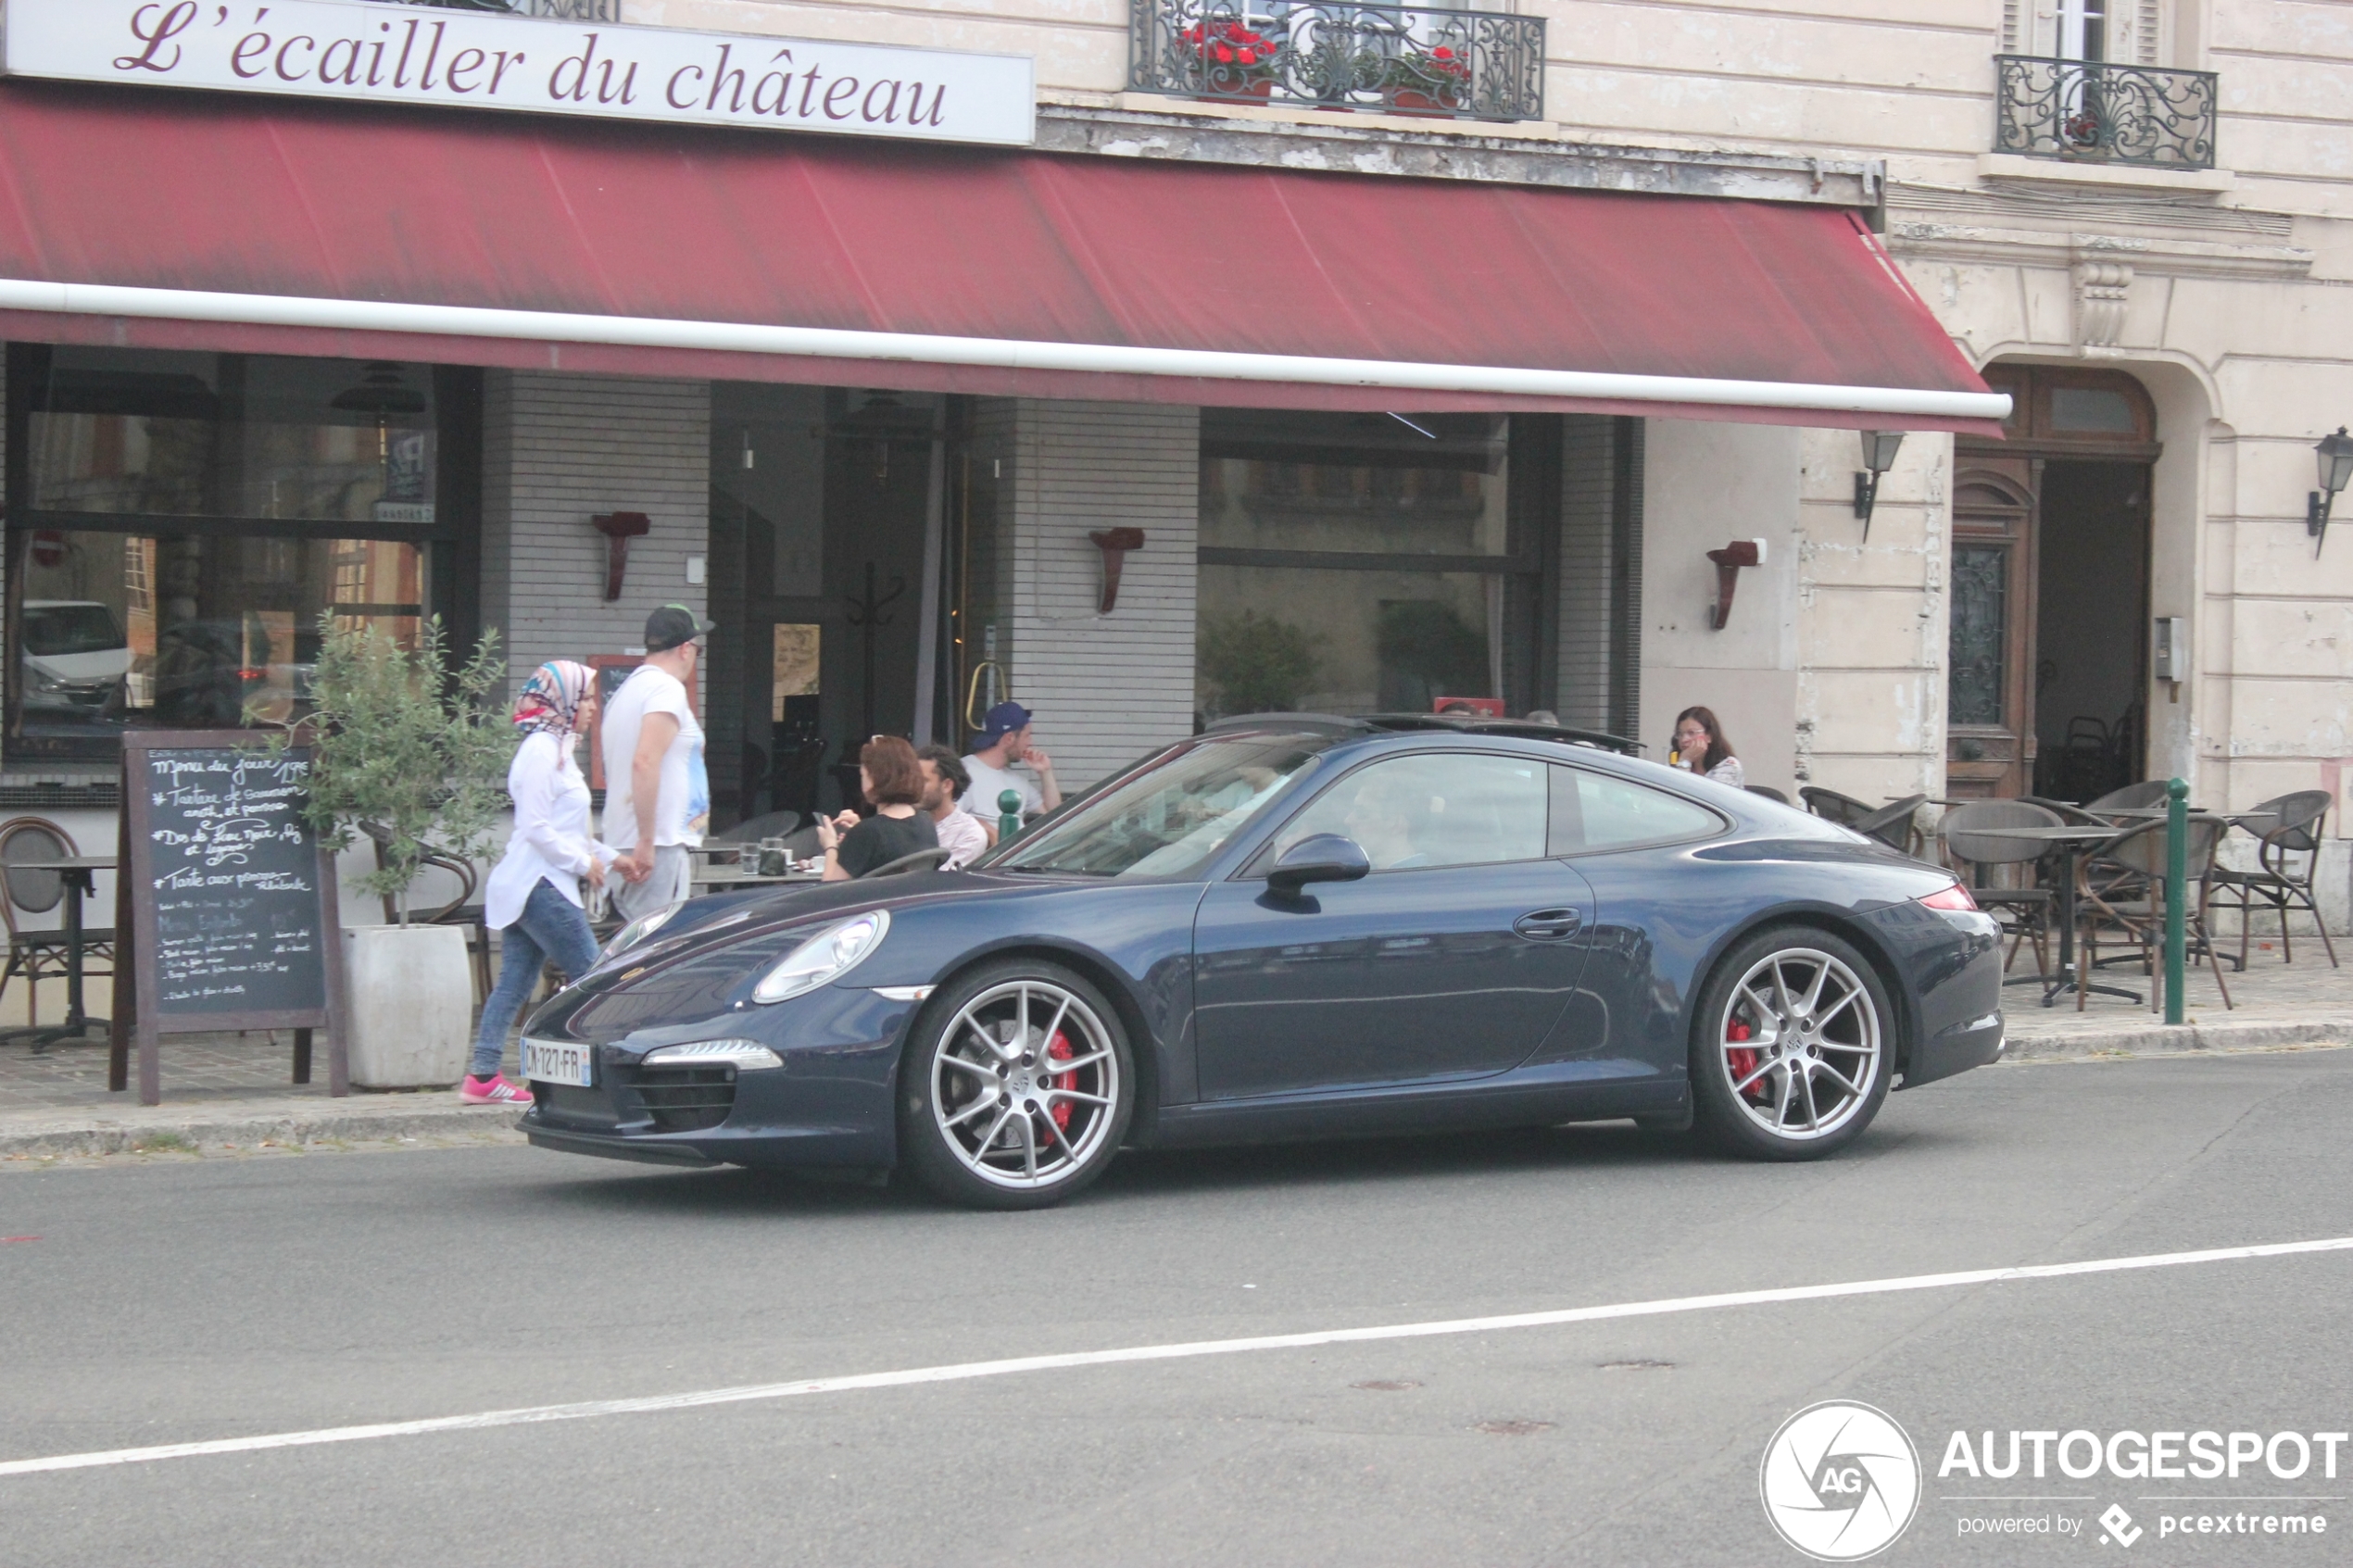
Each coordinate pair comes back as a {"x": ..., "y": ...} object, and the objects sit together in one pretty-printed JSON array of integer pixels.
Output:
[
  {"x": 1793, "y": 1047},
  {"x": 1017, "y": 1087}
]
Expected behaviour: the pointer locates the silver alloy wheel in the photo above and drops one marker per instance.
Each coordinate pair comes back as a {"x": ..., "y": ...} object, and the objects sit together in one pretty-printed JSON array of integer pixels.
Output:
[
  {"x": 1800, "y": 1043},
  {"x": 997, "y": 1085}
]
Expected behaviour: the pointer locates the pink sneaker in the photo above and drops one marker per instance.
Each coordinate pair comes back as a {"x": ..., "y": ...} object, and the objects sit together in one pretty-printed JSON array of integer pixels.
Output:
[{"x": 493, "y": 1090}]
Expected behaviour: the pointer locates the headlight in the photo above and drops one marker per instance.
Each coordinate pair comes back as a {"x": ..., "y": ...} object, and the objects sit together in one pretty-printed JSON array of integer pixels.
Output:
[
  {"x": 637, "y": 931},
  {"x": 744, "y": 1056},
  {"x": 824, "y": 958}
]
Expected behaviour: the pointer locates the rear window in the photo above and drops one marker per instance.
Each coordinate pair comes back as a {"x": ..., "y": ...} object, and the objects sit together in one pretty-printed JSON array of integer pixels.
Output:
[{"x": 1595, "y": 811}]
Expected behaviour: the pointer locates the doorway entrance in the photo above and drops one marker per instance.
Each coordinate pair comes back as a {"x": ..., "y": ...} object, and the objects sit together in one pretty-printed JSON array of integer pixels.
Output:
[
  {"x": 820, "y": 500},
  {"x": 2047, "y": 658}
]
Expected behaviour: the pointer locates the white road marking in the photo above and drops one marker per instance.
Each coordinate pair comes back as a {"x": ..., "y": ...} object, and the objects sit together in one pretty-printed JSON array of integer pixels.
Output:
[{"x": 966, "y": 1371}]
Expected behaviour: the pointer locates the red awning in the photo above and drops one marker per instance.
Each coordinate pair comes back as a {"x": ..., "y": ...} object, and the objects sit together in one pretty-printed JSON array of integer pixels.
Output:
[{"x": 739, "y": 255}]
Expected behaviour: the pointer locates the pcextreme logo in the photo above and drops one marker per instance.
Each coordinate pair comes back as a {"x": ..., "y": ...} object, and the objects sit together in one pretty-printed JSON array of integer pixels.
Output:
[{"x": 1840, "y": 1481}]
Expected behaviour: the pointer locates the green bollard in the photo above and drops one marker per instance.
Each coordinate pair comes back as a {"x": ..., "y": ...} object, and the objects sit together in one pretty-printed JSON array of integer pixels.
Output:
[
  {"x": 1008, "y": 816},
  {"x": 2177, "y": 876}
]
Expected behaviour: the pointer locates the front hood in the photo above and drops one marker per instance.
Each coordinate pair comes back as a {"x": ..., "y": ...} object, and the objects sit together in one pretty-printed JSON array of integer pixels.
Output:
[{"x": 715, "y": 947}]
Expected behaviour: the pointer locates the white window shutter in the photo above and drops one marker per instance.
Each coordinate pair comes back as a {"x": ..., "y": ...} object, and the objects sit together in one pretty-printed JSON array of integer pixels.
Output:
[{"x": 2134, "y": 27}]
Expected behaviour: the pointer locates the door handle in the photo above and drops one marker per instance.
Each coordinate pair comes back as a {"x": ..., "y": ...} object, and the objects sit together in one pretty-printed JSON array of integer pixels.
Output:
[{"x": 1548, "y": 926}]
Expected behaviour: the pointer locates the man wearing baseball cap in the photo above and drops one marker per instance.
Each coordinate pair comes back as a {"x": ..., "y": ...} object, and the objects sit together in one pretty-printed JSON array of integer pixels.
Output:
[
  {"x": 655, "y": 783},
  {"x": 1004, "y": 741}
]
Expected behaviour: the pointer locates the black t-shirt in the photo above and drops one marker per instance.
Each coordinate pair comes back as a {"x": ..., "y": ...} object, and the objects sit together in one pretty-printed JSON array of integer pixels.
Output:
[{"x": 879, "y": 840}]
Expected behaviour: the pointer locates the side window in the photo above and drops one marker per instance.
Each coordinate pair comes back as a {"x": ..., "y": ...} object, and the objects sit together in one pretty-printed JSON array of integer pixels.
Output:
[
  {"x": 1444, "y": 809},
  {"x": 1595, "y": 811}
]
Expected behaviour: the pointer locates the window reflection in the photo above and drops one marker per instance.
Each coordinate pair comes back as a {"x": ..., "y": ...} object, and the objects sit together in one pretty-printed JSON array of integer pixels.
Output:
[
  {"x": 228, "y": 435},
  {"x": 194, "y": 631}
]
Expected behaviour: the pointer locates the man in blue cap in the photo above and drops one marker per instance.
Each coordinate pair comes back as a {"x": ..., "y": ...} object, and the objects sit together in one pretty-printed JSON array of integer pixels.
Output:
[{"x": 1004, "y": 741}]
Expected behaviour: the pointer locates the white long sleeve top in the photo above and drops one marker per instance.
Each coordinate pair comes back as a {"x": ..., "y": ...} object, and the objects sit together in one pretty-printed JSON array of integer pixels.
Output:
[{"x": 551, "y": 841}]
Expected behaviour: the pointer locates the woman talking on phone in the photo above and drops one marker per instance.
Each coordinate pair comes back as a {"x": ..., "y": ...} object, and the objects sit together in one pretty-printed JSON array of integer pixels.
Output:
[{"x": 1700, "y": 746}]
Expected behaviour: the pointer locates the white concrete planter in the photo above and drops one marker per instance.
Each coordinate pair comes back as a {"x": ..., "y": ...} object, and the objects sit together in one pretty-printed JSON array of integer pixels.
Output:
[{"x": 409, "y": 996}]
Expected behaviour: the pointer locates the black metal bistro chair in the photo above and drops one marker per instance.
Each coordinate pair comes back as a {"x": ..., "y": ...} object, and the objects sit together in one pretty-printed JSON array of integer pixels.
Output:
[
  {"x": 1833, "y": 807},
  {"x": 921, "y": 860},
  {"x": 2000, "y": 870},
  {"x": 38, "y": 950},
  {"x": 2137, "y": 912},
  {"x": 465, "y": 911},
  {"x": 2132, "y": 797},
  {"x": 1768, "y": 792},
  {"x": 1895, "y": 824},
  {"x": 2277, "y": 882}
]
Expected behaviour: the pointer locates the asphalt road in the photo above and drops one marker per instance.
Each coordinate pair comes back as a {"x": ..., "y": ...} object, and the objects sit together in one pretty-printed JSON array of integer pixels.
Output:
[{"x": 186, "y": 1301}]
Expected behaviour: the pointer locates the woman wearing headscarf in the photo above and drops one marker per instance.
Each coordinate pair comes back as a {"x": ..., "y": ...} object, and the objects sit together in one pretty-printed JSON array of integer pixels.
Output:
[{"x": 533, "y": 895}]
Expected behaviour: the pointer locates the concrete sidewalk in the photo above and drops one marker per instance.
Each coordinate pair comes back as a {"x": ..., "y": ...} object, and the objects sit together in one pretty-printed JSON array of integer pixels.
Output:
[{"x": 229, "y": 1093}]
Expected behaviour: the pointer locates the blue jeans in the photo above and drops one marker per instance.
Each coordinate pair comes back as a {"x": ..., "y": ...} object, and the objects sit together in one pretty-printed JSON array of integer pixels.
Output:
[{"x": 551, "y": 927}]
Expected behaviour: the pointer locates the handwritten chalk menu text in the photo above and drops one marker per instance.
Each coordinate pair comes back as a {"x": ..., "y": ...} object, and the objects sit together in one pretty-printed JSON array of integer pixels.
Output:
[{"x": 233, "y": 868}]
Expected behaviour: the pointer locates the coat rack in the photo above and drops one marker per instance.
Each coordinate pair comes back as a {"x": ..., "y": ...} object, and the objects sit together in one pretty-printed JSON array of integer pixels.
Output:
[{"x": 865, "y": 617}]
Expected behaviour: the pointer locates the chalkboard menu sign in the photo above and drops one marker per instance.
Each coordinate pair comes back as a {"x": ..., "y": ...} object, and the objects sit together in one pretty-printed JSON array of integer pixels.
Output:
[{"x": 232, "y": 901}]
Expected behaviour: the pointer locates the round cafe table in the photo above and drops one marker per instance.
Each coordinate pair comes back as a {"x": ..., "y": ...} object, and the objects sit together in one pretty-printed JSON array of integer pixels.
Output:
[
  {"x": 79, "y": 872},
  {"x": 2071, "y": 842}
]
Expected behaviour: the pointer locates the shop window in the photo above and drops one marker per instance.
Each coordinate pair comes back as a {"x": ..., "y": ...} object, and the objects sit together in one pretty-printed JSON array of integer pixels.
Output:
[
  {"x": 1354, "y": 563},
  {"x": 179, "y": 523}
]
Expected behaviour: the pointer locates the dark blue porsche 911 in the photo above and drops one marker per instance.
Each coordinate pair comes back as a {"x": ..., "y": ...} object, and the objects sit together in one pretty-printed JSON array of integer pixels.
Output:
[{"x": 1289, "y": 927}]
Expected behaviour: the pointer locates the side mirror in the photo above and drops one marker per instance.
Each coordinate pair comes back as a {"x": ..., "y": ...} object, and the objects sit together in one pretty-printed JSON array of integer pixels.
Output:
[{"x": 1322, "y": 857}]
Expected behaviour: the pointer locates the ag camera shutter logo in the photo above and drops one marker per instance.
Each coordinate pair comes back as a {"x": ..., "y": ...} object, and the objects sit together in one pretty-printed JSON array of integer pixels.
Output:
[{"x": 1840, "y": 1481}]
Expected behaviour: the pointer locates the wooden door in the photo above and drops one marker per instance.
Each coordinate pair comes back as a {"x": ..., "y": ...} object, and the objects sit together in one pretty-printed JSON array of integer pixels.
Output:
[{"x": 1988, "y": 733}]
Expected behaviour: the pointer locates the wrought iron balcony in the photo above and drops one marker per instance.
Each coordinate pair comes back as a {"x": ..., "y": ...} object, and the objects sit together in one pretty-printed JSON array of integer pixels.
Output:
[
  {"x": 2091, "y": 111},
  {"x": 1374, "y": 59}
]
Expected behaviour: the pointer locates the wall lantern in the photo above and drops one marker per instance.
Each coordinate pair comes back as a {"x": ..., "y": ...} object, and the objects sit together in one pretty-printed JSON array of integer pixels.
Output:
[
  {"x": 619, "y": 528},
  {"x": 1879, "y": 456},
  {"x": 1728, "y": 561},
  {"x": 2336, "y": 453},
  {"x": 1114, "y": 543}
]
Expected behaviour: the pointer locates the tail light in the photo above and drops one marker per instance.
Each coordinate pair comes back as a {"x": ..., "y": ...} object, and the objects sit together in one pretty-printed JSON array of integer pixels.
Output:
[{"x": 1952, "y": 897}]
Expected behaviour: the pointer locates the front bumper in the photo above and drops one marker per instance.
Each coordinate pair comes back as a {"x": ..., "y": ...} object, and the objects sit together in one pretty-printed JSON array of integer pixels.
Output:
[{"x": 829, "y": 1105}]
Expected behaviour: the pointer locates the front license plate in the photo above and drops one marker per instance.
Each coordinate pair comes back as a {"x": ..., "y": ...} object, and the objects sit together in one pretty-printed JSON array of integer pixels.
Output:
[{"x": 553, "y": 1062}]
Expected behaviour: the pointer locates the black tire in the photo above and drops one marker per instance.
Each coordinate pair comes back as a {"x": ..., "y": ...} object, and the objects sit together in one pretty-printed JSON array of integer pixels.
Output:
[
  {"x": 1776, "y": 1075},
  {"x": 978, "y": 1122}
]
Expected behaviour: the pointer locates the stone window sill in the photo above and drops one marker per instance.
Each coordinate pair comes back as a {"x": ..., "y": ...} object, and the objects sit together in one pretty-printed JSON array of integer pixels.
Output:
[{"x": 2059, "y": 171}]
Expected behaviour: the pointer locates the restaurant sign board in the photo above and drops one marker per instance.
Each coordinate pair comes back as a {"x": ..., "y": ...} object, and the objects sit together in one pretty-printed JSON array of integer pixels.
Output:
[{"x": 376, "y": 53}]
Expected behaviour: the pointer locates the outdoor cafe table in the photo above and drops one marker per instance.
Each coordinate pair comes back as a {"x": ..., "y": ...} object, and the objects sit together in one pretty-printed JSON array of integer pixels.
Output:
[
  {"x": 79, "y": 872},
  {"x": 2070, "y": 842}
]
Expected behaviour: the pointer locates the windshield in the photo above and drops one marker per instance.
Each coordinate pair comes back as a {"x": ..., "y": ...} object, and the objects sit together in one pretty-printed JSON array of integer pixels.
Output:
[
  {"x": 1171, "y": 818},
  {"x": 50, "y": 630}
]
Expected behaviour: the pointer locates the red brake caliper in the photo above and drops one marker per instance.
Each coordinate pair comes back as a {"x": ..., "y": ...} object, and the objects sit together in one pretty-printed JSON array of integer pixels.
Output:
[
  {"x": 1742, "y": 1062},
  {"x": 1060, "y": 1051}
]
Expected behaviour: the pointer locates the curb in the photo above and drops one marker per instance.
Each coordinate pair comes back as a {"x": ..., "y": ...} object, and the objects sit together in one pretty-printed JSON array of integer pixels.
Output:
[
  {"x": 2158, "y": 1039},
  {"x": 288, "y": 1124},
  {"x": 292, "y": 1123}
]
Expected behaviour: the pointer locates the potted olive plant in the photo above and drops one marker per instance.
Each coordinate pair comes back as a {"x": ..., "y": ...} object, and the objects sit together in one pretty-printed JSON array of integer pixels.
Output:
[{"x": 413, "y": 755}]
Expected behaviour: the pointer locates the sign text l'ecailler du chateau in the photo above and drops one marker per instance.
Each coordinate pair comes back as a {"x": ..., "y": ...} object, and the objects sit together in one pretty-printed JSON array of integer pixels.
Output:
[{"x": 394, "y": 53}]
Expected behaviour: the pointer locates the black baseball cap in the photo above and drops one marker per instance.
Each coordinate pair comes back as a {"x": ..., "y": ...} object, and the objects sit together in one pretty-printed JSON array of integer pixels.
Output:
[{"x": 674, "y": 624}]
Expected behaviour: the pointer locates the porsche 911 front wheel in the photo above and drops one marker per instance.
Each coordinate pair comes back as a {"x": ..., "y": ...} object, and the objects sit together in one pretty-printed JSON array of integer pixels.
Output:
[{"x": 1017, "y": 1087}]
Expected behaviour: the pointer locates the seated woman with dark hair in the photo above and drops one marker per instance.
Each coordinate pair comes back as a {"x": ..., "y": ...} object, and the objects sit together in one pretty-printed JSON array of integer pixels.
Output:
[
  {"x": 1701, "y": 746},
  {"x": 892, "y": 780}
]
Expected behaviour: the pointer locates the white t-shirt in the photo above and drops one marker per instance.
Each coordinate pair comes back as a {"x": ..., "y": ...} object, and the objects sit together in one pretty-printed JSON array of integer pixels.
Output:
[
  {"x": 990, "y": 783},
  {"x": 652, "y": 690},
  {"x": 963, "y": 836}
]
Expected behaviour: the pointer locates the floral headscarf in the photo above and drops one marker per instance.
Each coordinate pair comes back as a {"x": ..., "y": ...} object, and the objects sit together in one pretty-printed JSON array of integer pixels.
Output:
[{"x": 551, "y": 699}]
